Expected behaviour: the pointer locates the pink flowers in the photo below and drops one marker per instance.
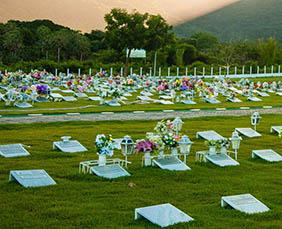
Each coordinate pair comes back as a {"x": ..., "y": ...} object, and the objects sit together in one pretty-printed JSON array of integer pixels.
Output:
[{"x": 143, "y": 146}]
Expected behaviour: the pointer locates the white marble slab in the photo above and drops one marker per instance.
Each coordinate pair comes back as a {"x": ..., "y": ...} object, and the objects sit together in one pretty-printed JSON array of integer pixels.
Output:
[
  {"x": 13, "y": 150},
  {"x": 248, "y": 132},
  {"x": 69, "y": 99},
  {"x": 23, "y": 105},
  {"x": 244, "y": 203},
  {"x": 221, "y": 160},
  {"x": 71, "y": 146},
  {"x": 94, "y": 98},
  {"x": 171, "y": 163},
  {"x": 267, "y": 155},
  {"x": 234, "y": 100},
  {"x": 254, "y": 99},
  {"x": 209, "y": 135},
  {"x": 212, "y": 100},
  {"x": 276, "y": 129},
  {"x": 162, "y": 215},
  {"x": 109, "y": 171},
  {"x": 189, "y": 102},
  {"x": 31, "y": 178},
  {"x": 80, "y": 95}
]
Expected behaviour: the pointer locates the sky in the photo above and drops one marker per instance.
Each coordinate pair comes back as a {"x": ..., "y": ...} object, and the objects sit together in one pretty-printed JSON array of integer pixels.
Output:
[{"x": 86, "y": 15}]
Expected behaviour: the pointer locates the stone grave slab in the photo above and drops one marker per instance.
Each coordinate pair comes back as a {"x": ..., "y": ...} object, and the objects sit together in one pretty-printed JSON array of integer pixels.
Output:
[
  {"x": 165, "y": 97},
  {"x": 56, "y": 96},
  {"x": 144, "y": 98},
  {"x": 2, "y": 97},
  {"x": 267, "y": 155},
  {"x": 165, "y": 102},
  {"x": 234, "y": 100},
  {"x": 95, "y": 98},
  {"x": 71, "y": 146},
  {"x": 69, "y": 99},
  {"x": 279, "y": 93},
  {"x": 67, "y": 91},
  {"x": 171, "y": 163},
  {"x": 244, "y": 203},
  {"x": 13, "y": 150},
  {"x": 162, "y": 215},
  {"x": 80, "y": 95},
  {"x": 248, "y": 132},
  {"x": 109, "y": 171},
  {"x": 212, "y": 100},
  {"x": 221, "y": 160},
  {"x": 189, "y": 102},
  {"x": 146, "y": 93},
  {"x": 31, "y": 178},
  {"x": 276, "y": 129},
  {"x": 254, "y": 99},
  {"x": 113, "y": 103},
  {"x": 262, "y": 94},
  {"x": 42, "y": 100},
  {"x": 23, "y": 105},
  {"x": 209, "y": 135}
]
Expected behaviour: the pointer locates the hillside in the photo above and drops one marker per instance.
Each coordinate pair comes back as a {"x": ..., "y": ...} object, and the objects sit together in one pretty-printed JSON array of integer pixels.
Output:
[
  {"x": 246, "y": 19},
  {"x": 86, "y": 15}
]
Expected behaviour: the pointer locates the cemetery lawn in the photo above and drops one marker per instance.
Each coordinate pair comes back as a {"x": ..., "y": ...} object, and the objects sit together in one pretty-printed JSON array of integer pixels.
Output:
[{"x": 87, "y": 201}]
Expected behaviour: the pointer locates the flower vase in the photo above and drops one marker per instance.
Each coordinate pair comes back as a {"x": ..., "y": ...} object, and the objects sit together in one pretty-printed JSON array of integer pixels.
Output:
[
  {"x": 161, "y": 153},
  {"x": 223, "y": 150},
  {"x": 174, "y": 151},
  {"x": 147, "y": 159},
  {"x": 212, "y": 150},
  {"x": 102, "y": 160}
]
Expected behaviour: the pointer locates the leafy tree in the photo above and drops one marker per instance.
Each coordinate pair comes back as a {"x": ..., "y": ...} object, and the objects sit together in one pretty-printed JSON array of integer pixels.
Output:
[
  {"x": 204, "y": 42},
  {"x": 268, "y": 50},
  {"x": 44, "y": 39},
  {"x": 59, "y": 41}
]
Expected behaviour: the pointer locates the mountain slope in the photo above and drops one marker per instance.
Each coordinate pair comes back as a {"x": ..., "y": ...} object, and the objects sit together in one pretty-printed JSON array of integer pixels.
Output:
[
  {"x": 246, "y": 19},
  {"x": 86, "y": 15}
]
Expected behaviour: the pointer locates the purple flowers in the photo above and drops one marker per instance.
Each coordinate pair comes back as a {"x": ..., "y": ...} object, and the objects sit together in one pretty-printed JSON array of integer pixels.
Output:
[
  {"x": 145, "y": 146},
  {"x": 42, "y": 89}
]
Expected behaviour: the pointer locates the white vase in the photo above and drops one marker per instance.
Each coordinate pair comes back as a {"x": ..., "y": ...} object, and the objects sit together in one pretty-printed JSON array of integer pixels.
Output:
[
  {"x": 174, "y": 151},
  {"x": 102, "y": 160},
  {"x": 147, "y": 159},
  {"x": 212, "y": 150},
  {"x": 223, "y": 150},
  {"x": 161, "y": 153}
]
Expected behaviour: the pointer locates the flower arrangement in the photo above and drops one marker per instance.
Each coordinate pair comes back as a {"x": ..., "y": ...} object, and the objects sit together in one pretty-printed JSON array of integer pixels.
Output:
[
  {"x": 211, "y": 143},
  {"x": 170, "y": 140},
  {"x": 42, "y": 89},
  {"x": 105, "y": 144},
  {"x": 224, "y": 143},
  {"x": 144, "y": 146}
]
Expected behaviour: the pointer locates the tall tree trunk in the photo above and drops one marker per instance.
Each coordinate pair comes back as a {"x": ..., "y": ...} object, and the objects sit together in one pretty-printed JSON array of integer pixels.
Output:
[{"x": 81, "y": 56}]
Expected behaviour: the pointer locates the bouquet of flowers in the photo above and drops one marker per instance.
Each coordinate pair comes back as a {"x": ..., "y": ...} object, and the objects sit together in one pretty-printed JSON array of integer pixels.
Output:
[
  {"x": 170, "y": 140},
  {"x": 211, "y": 143},
  {"x": 224, "y": 143},
  {"x": 42, "y": 89},
  {"x": 105, "y": 145},
  {"x": 144, "y": 146}
]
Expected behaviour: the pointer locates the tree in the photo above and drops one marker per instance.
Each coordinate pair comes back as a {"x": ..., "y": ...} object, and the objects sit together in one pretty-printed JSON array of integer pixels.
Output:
[
  {"x": 44, "y": 38},
  {"x": 135, "y": 31},
  {"x": 204, "y": 42},
  {"x": 59, "y": 41},
  {"x": 268, "y": 50}
]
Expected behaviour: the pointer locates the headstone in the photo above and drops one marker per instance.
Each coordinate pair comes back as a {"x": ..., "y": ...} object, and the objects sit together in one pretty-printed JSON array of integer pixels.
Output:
[
  {"x": 56, "y": 96},
  {"x": 165, "y": 97},
  {"x": 146, "y": 93},
  {"x": 244, "y": 203},
  {"x": 13, "y": 150},
  {"x": 109, "y": 171},
  {"x": 276, "y": 129},
  {"x": 162, "y": 215},
  {"x": 262, "y": 94},
  {"x": 144, "y": 98},
  {"x": 69, "y": 99},
  {"x": 254, "y": 99},
  {"x": 23, "y": 105},
  {"x": 95, "y": 98},
  {"x": 31, "y": 178},
  {"x": 113, "y": 103},
  {"x": 209, "y": 135},
  {"x": 81, "y": 95},
  {"x": 234, "y": 100},
  {"x": 221, "y": 160},
  {"x": 70, "y": 146},
  {"x": 248, "y": 132},
  {"x": 212, "y": 100},
  {"x": 267, "y": 155},
  {"x": 171, "y": 163},
  {"x": 165, "y": 102},
  {"x": 189, "y": 102},
  {"x": 68, "y": 91}
]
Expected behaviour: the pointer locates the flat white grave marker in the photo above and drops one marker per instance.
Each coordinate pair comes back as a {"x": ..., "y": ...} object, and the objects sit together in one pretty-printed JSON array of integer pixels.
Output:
[
  {"x": 81, "y": 95},
  {"x": 244, "y": 203},
  {"x": 222, "y": 160},
  {"x": 109, "y": 171},
  {"x": 254, "y": 99},
  {"x": 69, "y": 99},
  {"x": 13, "y": 150},
  {"x": 70, "y": 146},
  {"x": 267, "y": 155},
  {"x": 276, "y": 129},
  {"x": 23, "y": 105},
  {"x": 162, "y": 215},
  {"x": 31, "y": 178},
  {"x": 212, "y": 100},
  {"x": 209, "y": 135},
  {"x": 171, "y": 163},
  {"x": 248, "y": 132}
]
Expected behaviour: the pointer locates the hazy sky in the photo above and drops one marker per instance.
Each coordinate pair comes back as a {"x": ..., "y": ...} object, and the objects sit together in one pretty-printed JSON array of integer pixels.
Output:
[{"x": 88, "y": 14}]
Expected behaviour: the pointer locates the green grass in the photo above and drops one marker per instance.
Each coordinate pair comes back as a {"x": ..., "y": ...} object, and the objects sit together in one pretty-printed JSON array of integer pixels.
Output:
[{"x": 87, "y": 201}]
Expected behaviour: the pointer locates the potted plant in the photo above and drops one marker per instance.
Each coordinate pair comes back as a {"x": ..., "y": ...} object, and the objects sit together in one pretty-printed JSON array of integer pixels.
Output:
[
  {"x": 146, "y": 147},
  {"x": 105, "y": 147}
]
